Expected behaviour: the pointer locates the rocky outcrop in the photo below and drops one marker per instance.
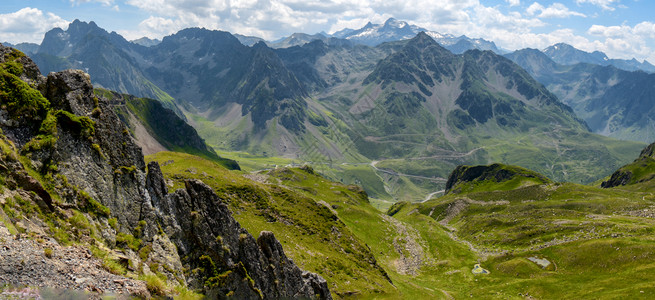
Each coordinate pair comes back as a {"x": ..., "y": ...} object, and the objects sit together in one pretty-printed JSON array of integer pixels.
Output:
[
  {"x": 226, "y": 259},
  {"x": 495, "y": 172},
  {"x": 618, "y": 178},
  {"x": 648, "y": 152},
  {"x": 641, "y": 166},
  {"x": 92, "y": 186}
]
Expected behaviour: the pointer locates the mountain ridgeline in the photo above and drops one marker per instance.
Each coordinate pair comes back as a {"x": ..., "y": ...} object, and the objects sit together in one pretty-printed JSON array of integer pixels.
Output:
[
  {"x": 336, "y": 100},
  {"x": 613, "y": 102},
  {"x": 566, "y": 54}
]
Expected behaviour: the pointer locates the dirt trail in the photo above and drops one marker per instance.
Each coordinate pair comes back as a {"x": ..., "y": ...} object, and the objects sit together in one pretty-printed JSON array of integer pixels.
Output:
[
  {"x": 430, "y": 195},
  {"x": 408, "y": 247}
]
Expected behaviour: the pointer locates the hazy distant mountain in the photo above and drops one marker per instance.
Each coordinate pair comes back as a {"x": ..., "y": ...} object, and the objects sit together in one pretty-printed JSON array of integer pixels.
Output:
[
  {"x": 146, "y": 42},
  {"x": 248, "y": 40},
  {"x": 568, "y": 55},
  {"x": 613, "y": 102},
  {"x": 297, "y": 39},
  {"x": 374, "y": 34},
  {"x": 27, "y": 48},
  {"x": 394, "y": 30}
]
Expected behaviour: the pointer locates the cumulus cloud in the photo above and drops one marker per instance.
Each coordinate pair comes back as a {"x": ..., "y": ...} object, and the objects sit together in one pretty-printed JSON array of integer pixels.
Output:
[
  {"x": 625, "y": 41},
  {"x": 555, "y": 10},
  {"x": 605, "y": 4},
  {"x": 514, "y": 2},
  {"x": 28, "y": 25},
  {"x": 103, "y": 2},
  {"x": 272, "y": 18}
]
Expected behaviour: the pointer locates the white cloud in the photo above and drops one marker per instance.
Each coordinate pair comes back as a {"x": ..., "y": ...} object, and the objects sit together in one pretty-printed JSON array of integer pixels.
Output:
[
  {"x": 605, "y": 4},
  {"x": 514, "y": 2},
  {"x": 645, "y": 29},
  {"x": 103, "y": 2},
  {"x": 273, "y": 18},
  {"x": 28, "y": 25},
  {"x": 555, "y": 10},
  {"x": 624, "y": 41},
  {"x": 153, "y": 27}
]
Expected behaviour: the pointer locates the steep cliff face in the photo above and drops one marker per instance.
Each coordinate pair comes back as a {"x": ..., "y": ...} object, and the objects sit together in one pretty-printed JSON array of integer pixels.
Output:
[
  {"x": 228, "y": 259},
  {"x": 89, "y": 184}
]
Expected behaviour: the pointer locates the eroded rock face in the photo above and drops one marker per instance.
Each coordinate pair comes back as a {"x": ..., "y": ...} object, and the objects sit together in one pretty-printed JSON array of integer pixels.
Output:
[
  {"x": 618, "y": 178},
  {"x": 648, "y": 151},
  {"x": 203, "y": 229}
]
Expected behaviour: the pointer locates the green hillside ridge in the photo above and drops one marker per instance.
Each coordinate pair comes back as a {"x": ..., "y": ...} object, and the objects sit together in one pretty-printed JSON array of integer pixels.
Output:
[
  {"x": 162, "y": 124},
  {"x": 500, "y": 223},
  {"x": 313, "y": 217},
  {"x": 586, "y": 234},
  {"x": 285, "y": 201},
  {"x": 494, "y": 177}
]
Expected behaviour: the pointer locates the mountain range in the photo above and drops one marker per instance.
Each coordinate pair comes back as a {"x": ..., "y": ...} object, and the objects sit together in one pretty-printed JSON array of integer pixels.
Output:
[
  {"x": 613, "y": 102},
  {"x": 395, "y": 30},
  {"x": 565, "y": 54},
  {"x": 342, "y": 101},
  {"x": 374, "y": 34}
]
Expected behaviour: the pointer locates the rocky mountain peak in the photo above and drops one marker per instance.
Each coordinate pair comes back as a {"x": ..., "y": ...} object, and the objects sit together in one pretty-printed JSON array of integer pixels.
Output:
[{"x": 423, "y": 40}]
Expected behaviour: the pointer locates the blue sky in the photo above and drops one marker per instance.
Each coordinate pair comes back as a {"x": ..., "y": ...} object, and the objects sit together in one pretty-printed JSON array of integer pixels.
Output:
[{"x": 620, "y": 28}]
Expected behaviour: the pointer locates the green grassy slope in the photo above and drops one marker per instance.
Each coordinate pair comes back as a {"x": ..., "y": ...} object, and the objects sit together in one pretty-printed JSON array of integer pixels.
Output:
[
  {"x": 593, "y": 238},
  {"x": 311, "y": 233},
  {"x": 428, "y": 250}
]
